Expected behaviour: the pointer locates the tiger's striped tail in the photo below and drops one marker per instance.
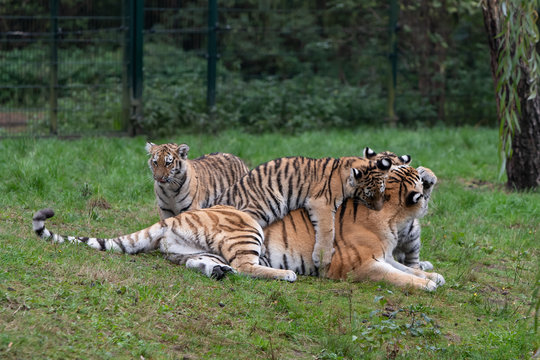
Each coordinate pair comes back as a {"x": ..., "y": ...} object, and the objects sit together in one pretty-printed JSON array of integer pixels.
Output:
[{"x": 142, "y": 241}]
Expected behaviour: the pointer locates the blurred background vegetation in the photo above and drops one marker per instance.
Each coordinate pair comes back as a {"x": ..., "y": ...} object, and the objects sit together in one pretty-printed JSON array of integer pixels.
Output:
[{"x": 285, "y": 66}]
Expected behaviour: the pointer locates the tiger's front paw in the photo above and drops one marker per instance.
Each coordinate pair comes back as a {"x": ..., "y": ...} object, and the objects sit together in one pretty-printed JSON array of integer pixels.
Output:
[
  {"x": 427, "y": 176},
  {"x": 437, "y": 278},
  {"x": 322, "y": 257},
  {"x": 425, "y": 265}
]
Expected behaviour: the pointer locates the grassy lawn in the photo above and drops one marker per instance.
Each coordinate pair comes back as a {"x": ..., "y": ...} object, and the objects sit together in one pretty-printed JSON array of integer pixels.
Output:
[{"x": 69, "y": 301}]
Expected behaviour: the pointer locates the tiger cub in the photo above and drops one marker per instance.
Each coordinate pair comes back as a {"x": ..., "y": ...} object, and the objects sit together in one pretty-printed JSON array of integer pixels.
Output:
[
  {"x": 271, "y": 190},
  {"x": 407, "y": 250},
  {"x": 214, "y": 241},
  {"x": 364, "y": 239},
  {"x": 181, "y": 184}
]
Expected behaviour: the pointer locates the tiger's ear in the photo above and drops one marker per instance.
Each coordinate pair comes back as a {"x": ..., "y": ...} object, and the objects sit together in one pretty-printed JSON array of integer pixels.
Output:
[
  {"x": 405, "y": 159},
  {"x": 183, "y": 151},
  {"x": 149, "y": 147},
  {"x": 369, "y": 153},
  {"x": 384, "y": 164},
  {"x": 354, "y": 177},
  {"x": 413, "y": 198}
]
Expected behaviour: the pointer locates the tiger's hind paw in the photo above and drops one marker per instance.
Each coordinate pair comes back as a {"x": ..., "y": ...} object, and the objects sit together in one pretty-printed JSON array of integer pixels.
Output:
[
  {"x": 220, "y": 271},
  {"x": 290, "y": 277}
]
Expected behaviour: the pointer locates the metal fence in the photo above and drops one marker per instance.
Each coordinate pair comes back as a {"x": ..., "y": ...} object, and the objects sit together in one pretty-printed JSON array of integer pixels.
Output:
[{"x": 72, "y": 68}]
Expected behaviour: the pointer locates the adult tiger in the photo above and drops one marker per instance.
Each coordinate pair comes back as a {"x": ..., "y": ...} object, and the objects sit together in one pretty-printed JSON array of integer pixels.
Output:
[
  {"x": 271, "y": 190},
  {"x": 214, "y": 241},
  {"x": 407, "y": 250},
  {"x": 364, "y": 238},
  {"x": 182, "y": 184}
]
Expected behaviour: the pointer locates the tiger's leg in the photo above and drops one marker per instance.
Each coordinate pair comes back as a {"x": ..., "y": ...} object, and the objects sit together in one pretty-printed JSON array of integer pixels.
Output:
[
  {"x": 322, "y": 218},
  {"x": 211, "y": 265},
  {"x": 246, "y": 259},
  {"x": 437, "y": 278},
  {"x": 407, "y": 250},
  {"x": 428, "y": 180},
  {"x": 249, "y": 265},
  {"x": 380, "y": 270}
]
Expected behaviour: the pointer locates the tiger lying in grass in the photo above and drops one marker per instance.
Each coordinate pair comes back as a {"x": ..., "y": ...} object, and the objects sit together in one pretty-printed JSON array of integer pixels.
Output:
[
  {"x": 271, "y": 190},
  {"x": 181, "y": 184},
  {"x": 214, "y": 241},
  {"x": 364, "y": 241}
]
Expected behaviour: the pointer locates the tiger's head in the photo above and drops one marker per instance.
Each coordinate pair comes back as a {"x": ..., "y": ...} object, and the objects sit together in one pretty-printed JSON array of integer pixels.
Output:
[
  {"x": 167, "y": 161},
  {"x": 426, "y": 175},
  {"x": 367, "y": 181},
  {"x": 405, "y": 192},
  {"x": 396, "y": 160}
]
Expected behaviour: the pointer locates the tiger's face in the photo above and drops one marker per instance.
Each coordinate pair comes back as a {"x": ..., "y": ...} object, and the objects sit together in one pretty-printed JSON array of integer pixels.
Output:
[
  {"x": 404, "y": 192},
  {"x": 167, "y": 161},
  {"x": 368, "y": 185}
]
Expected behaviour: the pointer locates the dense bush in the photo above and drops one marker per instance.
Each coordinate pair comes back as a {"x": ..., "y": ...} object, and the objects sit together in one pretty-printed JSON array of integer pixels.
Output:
[{"x": 284, "y": 66}]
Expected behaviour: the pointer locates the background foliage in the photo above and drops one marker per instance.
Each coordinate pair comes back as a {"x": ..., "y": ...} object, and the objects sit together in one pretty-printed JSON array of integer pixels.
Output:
[{"x": 287, "y": 65}]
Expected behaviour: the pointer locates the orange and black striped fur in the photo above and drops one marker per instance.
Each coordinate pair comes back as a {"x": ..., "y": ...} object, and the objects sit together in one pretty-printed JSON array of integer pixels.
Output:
[
  {"x": 271, "y": 190},
  {"x": 364, "y": 238},
  {"x": 407, "y": 250},
  {"x": 214, "y": 241},
  {"x": 181, "y": 184}
]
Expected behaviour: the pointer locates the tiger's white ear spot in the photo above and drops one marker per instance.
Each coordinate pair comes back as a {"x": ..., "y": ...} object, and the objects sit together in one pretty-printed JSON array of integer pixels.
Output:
[
  {"x": 413, "y": 198},
  {"x": 355, "y": 175},
  {"x": 384, "y": 164},
  {"x": 183, "y": 151},
  {"x": 405, "y": 159},
  {"x": 369, "y": 153},
  {"x": 148, "y": 147}
]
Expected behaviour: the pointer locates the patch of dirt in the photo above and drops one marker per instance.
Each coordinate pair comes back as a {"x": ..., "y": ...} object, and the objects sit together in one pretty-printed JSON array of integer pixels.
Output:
[
  {"x": 479, "y": 184},
  {"x": 99, "y": 202},
  {"x": 17, "y": 121}
]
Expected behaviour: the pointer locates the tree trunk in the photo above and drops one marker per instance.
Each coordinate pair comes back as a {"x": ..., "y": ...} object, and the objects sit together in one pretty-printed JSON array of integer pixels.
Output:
[{"x": 523, "y": 168}]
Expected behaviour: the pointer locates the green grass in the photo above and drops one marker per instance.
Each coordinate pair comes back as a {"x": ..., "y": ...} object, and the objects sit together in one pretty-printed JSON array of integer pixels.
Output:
[{"x": 68, "y": 301}]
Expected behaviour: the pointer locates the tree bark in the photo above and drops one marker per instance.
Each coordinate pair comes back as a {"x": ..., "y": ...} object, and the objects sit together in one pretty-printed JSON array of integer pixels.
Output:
[{"x": 523, "y": 168}]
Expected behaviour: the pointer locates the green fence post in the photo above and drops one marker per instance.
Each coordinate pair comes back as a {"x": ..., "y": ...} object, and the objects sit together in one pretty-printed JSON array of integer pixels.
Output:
[
  {"x": 133, "y": 62},
  {"x": 392, "y": 78},
  {"x": 212, "y": 56},
  {"x": 53, "y": 85},
  {"x": 126, "y": 60},
  {"x": 138, "y": 55}
]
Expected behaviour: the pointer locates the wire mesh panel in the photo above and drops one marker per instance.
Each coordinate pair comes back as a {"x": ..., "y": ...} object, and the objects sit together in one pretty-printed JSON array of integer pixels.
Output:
[
  {"x": 62, "y": 68},
  {"x": 175, "y": 36},
  {"x": 75, "y": 67}
]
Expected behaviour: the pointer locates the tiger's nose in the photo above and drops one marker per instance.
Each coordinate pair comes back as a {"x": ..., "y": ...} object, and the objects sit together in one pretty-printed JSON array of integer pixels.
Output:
[{"x": 378, "y": 204}]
